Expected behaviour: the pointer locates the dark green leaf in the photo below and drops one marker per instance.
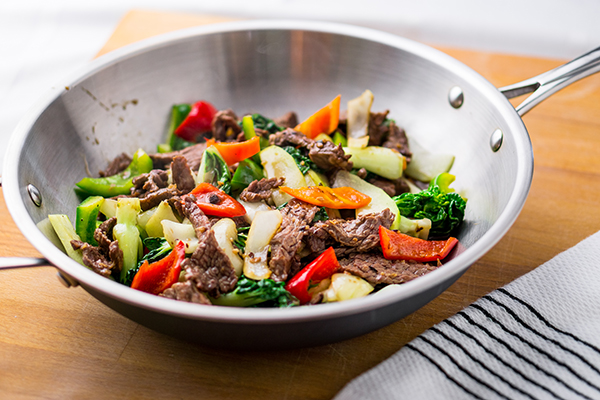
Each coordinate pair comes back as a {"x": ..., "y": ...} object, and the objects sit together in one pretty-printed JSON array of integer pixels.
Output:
[
  {"x": 266, "y": 292},
  {"x": 321, "y": 215},
  {"x": 445, "y": 210},
  {"x": 302, "y": 161},
  {"x": 158, "y": 248}
]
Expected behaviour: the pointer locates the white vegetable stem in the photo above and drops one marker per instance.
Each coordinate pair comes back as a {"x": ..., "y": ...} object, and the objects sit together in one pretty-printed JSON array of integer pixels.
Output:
[
  {"x": 278, "y": 163},
  {"x": 379, "y": 199},
  {"x": 379, "y": 160},
  {"x": 425, "y": 165},
  {"x": 346, "y": 287},
  {"x": 175, "y": 231},
  {"x": 226, "y": 233},
  {"x": 359, "y": 110},
  {"x": 263, "y": 228},
  {"x": 65, "y": 232}
]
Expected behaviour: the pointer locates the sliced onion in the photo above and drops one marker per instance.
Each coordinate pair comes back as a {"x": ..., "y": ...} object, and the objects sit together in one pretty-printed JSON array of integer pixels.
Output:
[
  {"x": 263, "y": 228},
  {"x": 359, "y": 110}
]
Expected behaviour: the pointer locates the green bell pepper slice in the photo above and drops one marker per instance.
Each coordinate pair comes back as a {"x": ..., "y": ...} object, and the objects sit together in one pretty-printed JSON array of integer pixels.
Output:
[
  {"x": 120, "y": 183},
  {"x": 247, "y": 172},
  {"x": 87, "y": 218},
  {"x": 250, "y": 132},
  {"x": 338, "y": 139}
]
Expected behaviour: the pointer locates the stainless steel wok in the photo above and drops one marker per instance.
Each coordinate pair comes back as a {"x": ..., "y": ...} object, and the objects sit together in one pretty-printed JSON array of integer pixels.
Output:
[{"x": 121, "y": 101}]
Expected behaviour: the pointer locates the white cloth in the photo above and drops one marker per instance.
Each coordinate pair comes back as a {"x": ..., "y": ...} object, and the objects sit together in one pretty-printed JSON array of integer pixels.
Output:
[{"x": 536, "y": 338}]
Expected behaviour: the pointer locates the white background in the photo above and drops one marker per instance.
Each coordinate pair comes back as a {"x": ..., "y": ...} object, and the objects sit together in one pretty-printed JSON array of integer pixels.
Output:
[{"x": 42, "y": 41}]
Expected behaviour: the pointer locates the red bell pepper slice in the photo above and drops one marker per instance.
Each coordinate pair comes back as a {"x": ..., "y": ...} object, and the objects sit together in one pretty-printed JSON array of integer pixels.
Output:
[
  {"x": 325, "y": 120},
  {"x": 236, "y": 151},
  {"x": 213, "y": 201},
  {"x": 321, "y": 268},
  {"x": 323, "y": 196},
  {"x": 155, "y": 278},
  {"x": 198, "y": 121},
  {"x": 398, "y": 246}
]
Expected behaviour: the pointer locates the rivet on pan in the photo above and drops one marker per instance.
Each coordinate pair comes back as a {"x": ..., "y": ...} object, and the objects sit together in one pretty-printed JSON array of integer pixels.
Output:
[
  {"x": 66, "y": 280},
  {"x": 35, "y": 195},
  {"x": 496, "y": 140},
  {"x": 456, "y": 97}
]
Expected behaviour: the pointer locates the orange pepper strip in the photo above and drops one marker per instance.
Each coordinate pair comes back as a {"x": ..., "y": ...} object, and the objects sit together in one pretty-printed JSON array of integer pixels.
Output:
[
  {"x": 235, "y": 152},
  {"x": 398, "y": 246},
  {"x": 323, "y": 121},
  {"x": 323, "y": 196}
]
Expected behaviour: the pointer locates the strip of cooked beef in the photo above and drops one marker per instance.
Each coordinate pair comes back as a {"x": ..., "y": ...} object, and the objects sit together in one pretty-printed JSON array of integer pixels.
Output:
[
  {"x": 384, "y": 132},
  {"x": 182, "y": 175},
  {"x": 107, "y": 256},
  {"x": 93, "y": 258},
  {"x": 150, "y": 182},
  {"x": 186, "y": 291},
  {"x": 259, "y": 190},
  {"x": 375, "y": 269},
  {"x": 329, "y": 156},
  {"x": 192, "y": 154},
  {"x": 288, "y": 120},
  {"x": 225, "y": 126},
  {"x": 240, "y": 222},
  {"x": 290, "y": 137},
  {"x": 103, "y": 234},
  {"x": 325, "y": 155},
  {"x": 384, "y": 184},
  {"x": 397, "y": 140},
  {"x": 392, "y": 187},
  {"x": 209, "y": 268},
  {"x": 318, "y": 239},
  {"x": 296, "y": 217},
  {"x": 152, "y": 199},
  {"x": 362, "y": 233},
  {"x": 120, "y": 163},
  {"x": 377, "y": 130}
]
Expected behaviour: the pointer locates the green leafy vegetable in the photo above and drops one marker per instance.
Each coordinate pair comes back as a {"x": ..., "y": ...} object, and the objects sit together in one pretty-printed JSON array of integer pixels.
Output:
[
  {"x": 247, "y": 172},
  {"x": 214, "y": 170},
  {"x": 266, "y": 124},
  {"x": 387, "y": 122},
  {"x": 281, "y": 206},
  {"x": 445, "y": 209},
  {"x": 249, "y": 293},
  {"x": 240, "y": 243},
  {"x": 158, "y": 248},
  {"x": 304, "y": 163},
  {"x": 321, "y": 215}
]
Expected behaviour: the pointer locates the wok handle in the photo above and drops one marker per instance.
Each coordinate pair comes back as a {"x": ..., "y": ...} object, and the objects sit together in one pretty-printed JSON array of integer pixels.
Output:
[
  {"x": 24, "y": 262},
  {"x": 550, "y": 82}
]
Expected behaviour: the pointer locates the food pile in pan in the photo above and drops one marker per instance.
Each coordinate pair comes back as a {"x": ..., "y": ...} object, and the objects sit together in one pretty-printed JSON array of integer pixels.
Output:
[{"x": 264, "y": 212}]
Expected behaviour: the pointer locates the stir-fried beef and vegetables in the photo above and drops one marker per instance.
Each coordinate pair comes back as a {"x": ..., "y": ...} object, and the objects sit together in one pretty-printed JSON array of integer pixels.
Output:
[{"x": 256, "y": 211}]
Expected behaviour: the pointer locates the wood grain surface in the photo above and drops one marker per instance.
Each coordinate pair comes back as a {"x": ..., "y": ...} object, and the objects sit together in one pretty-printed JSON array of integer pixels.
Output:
[{"x": 58, "y": 343}]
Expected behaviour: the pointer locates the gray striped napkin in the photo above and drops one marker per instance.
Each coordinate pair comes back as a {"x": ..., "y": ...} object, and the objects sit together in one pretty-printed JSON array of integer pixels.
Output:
[{"x": 536, "y": 338}]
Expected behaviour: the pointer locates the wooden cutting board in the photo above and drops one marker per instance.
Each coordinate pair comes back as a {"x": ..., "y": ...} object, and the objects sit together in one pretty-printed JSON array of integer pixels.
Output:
[{"x": 58, "y": 343}]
